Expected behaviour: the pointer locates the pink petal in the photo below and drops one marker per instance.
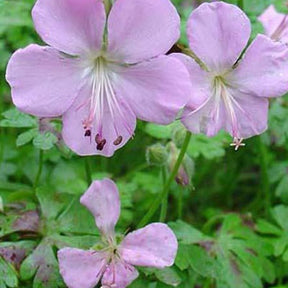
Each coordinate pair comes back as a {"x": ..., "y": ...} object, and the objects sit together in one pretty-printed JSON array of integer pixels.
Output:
[
  {"x": 154, "y": 246},
  {"x": 142, "y": 29},
  {"x": 44, "y": 82},
  {"x": 81, "y": 269},
  {"x": 120, "y": 274},
  {"x": 121, "y": 123},
  {"x": 275, "y": 24},
  {"x": 218, "y": 33},
  {"x": 263, "y": 71},
  {"x": 102, "y": 199},
  {"x": 200, "y": 81},
  {"x": 71, "y": 26},
  {"x": 156, "y": 90}
]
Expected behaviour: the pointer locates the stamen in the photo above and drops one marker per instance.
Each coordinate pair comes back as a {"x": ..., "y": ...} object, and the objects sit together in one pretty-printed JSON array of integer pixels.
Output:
[
  {"x": 100, "y": 142},
  {"x": 280, "y": 29},
  {"x": 237, "y": 143},
  {"x": 118, "y": 141},
  {"x": 102, "y": 97},
  {"x": 223, "y": 93},
  {"x": 87, "y": 133}
]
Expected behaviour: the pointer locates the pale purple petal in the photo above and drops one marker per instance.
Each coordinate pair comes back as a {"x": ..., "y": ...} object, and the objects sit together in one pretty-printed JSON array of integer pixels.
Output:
[
  {"x": 81, "y": 269},
  {"x": 142, "y": 29},
  {"x": 263, "y": 71},
  {"x": 71, "y": 26},
  {"x": 200, "y": 81},
  {"x": 156, "y": 90},
  {"x": 44, "y": 82},
  {"x": 275, "y": 24},
  {"x": 119, "y": 274},
  {"x": 155, "y": 245},
  {"x": 102, "y": 199},
  {"x": 251, "y": 115},
  {"x": 218, "y": 33},
  {"x": 111, "y": 121}
]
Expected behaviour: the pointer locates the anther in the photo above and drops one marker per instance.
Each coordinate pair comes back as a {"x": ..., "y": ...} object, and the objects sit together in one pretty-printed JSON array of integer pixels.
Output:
[
  {"x": 100, "y": 142},
  {"x": 118, "y": 141},
  {"x": 87, "y": 133}
]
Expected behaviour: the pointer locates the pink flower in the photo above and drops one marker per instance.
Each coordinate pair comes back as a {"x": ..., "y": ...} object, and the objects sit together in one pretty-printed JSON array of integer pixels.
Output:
[
  {"x": 275, "y": 24},
  {"x": 154, "y": 245},
  {"x": 99, "y": 72},
  {"x": 230, "y": 94}
]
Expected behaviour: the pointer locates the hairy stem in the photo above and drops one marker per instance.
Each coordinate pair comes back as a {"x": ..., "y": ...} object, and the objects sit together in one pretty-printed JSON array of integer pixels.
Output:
[
  {"x": 88, "y": 171},
  {"x": 164, "y": 205},
  {"x": 265, "y": 184},
  {"x": 40, "y": 168},
  {"x": 154, "y": 207},
  {"x": 180, "y": 203}
]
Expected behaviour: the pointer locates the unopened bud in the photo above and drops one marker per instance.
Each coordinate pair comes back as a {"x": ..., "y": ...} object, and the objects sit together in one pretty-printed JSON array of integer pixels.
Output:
[
  {"x": 157, "y": 155},
  {"x": 186, "y": 170},
  {"x": 178, "y": 135},
  {"x": 1, "y": 205}
]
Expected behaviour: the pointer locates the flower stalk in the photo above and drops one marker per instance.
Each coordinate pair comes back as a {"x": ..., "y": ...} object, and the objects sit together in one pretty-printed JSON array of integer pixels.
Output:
[
  {"x": 88, "y": 171},
  {"x": 40, "y": 168},
  {"x": 170, "y": 180},
  {"x": 164, "y": 205}
]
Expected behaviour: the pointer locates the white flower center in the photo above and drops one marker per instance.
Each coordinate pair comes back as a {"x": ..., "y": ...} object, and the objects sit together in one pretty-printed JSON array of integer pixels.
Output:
[
  {"x": 222, "y": 93},
  {"x": 102, "y": 100}
]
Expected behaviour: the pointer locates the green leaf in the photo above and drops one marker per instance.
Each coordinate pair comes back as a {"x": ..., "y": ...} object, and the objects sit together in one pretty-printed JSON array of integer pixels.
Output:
[
  {"x": 266, "y": 227},
  {"x": 202, "y": 262},
  {"x": 8, "y": 275},
  {"x": 159, "y": 131},
  {"x": 209, "y": 148},
  {"x": 45, "y": 141},
  {"x": 26, "y": 137},
  {"x": 168, "y": 276},
  {"x": 280, "y": 214},
  {"x": 42, "y": 264},
  {"x": 15, "y": 118},
  {"x": 186, "y": 234}
]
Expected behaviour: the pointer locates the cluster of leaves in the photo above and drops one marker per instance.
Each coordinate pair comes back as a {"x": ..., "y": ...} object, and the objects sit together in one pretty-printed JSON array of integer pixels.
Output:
[{"x": 41, "y": 183}]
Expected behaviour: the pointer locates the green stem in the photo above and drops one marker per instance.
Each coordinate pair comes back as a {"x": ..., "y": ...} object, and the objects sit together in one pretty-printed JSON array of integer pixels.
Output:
[
  {"x": 88, "y": 171},
  {"x": 240, "y": 4},
  {"x": 40, "y": 168},
  {"x": 265, "y": 184},
  {"x": 180, "y": 203},
  {"x": 164, "y": 205},
  {"x": 166, "y": 188}
]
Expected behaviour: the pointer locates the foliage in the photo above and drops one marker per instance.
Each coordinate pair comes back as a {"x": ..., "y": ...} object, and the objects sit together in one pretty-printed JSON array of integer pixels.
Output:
[{"x": 230, "y": 221}]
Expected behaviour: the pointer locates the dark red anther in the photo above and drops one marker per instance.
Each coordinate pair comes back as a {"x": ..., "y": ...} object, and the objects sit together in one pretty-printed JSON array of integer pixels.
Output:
[
  {"x": 87, "y": 133},
  {"x": 101, "y": 144},
  {"x": 118, "y": 141}
]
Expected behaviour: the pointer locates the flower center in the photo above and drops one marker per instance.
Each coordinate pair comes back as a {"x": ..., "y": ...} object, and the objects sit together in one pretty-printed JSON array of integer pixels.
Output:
[
  {"x": 102, "y": 100},
  {"x": 222, "y": 93}
]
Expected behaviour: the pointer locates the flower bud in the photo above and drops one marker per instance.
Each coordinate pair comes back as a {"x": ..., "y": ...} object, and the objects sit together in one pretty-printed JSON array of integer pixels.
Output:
[
  {"x": 1, "y": 205},
  {"x": 178, "y": 135},
  {"x": 186, "y": 170},
  {"x": 156, "y": 155}
]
